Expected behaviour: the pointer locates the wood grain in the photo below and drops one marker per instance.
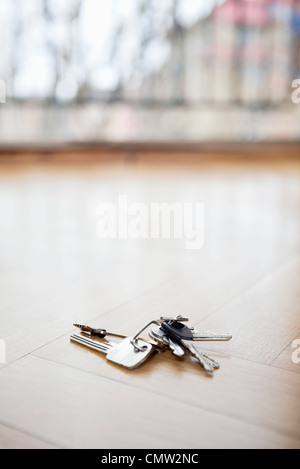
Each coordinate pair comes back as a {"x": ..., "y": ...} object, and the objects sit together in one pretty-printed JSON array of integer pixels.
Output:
[
  {"x": 241, "y": 389},
  {"x": 13, "y": 439},
  {"x": 264, "y": 319},
  {"x": 80, "y": 410},
  {"x": 55, "y": 271}
]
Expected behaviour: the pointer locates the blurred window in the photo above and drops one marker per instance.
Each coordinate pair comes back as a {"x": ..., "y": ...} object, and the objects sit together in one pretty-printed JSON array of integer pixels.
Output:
[
  {"x": 159, "y": 62},
  {"x": 150, "y": 51}
]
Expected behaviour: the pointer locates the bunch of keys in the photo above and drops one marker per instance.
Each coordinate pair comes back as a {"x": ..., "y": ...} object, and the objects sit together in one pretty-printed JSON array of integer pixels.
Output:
[{"x": 166, "y": 334}]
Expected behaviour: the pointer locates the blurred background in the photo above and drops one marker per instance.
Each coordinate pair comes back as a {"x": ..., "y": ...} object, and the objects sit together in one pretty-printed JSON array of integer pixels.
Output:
[{"x": 149, "y": 70}]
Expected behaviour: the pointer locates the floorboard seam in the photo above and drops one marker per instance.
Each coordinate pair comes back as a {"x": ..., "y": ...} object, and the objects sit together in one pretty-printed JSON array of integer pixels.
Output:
[
  {"x": 283, "y": 350},
  {"x": 249, "y": 289},
  {"x": 224, "y": 414},
  {"x": 30, "y": 434},
  {"x": 31, "y": 352}
]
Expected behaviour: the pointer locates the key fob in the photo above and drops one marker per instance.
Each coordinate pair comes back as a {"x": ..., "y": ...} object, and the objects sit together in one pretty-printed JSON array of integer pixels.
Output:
[{"x": 177, "y": 331}]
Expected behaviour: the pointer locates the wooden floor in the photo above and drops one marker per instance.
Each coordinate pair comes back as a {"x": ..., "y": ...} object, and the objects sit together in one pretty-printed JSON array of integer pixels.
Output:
[{"x": 55, "y": 271}]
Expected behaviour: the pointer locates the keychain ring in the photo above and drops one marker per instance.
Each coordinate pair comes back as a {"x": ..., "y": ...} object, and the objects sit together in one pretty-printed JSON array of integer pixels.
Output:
[{"x": 134, "y": 339}]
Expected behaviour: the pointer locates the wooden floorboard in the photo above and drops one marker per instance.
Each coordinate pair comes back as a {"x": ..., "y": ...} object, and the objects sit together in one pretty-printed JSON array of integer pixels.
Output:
[
  {"x": 55, "y": 271},
  {"x": 264, "y": 319},
  {"x": 13, "y": 439},
  {"x": 184, "y": 381},
  {"x": 78, "y": 409}
]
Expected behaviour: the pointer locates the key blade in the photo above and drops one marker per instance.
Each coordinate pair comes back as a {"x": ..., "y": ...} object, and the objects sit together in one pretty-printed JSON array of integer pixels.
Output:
[
  {"x": 211, "y": 361},
  {"x": 177, "y": 319},
  {"x": 105, "y": 348},
  {"x": 158, "y": 334},
  {"x": 211, "y": 336},
  {"x": 158, "y": 340},
  {"x": 204, "y": 363},
  {"x": 89, "y": 345},
  {"x": 96, "y": 341},
  {"x": 161, "y": 336},
  {"x": 86, "y": 341},
  {"x": 199, "y": 356},
  {"x": 177, "y": 350}
]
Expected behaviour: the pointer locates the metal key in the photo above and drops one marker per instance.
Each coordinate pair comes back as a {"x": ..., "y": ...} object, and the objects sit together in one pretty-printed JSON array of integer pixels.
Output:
[
  {"x": 210, "y": 336},
  {"x": 184, "y": 336},
  {"x": 177, "y": 330},
  {"x": 160, "y": 342},
  {"x": 123, "y": 353},
  {"x": 176, "y": 319},
  {"x": 104, "y": 347},
  {"x": 206, "y": 362},
  {"x": 180, "y": 331},
  {"x": 211, "y": 361},
  {"x": 134, "y": 339},
  {"x": 158, "y": 334}
]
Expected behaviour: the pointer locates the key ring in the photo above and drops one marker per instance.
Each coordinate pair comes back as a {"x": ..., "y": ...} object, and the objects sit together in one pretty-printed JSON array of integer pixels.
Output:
[{"x": 134, "y": 339}]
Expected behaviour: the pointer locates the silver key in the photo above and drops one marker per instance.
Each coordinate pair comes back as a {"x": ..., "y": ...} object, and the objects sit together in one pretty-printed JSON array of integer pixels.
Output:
[
  {"x": 159, "y": 340},
  {"x": 206, "y": 362},
  {"x": 175, "y": 319},
  {"x": 157, "y": 333},
  {"x": 211, "y": 361},
  {"x": 122, "y": 353},
  {"x": 104, "y": 347},
  {"x": 210, "y": 336}
]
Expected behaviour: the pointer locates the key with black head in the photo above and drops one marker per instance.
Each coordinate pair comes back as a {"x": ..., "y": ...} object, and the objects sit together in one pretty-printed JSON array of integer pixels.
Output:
[
  {"x": 183, "y": 334},
  {"x": 180, "y": 331},
  {"x": 177, "y": 330}
]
